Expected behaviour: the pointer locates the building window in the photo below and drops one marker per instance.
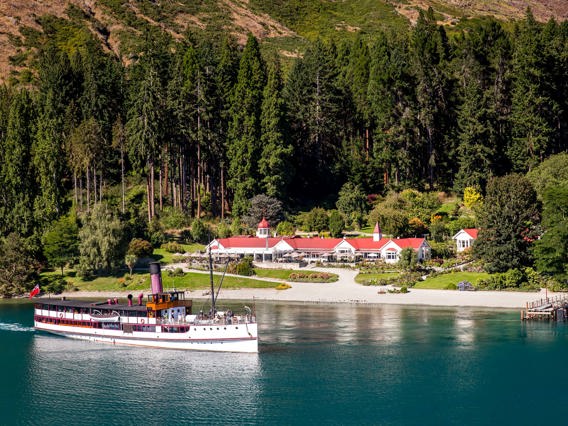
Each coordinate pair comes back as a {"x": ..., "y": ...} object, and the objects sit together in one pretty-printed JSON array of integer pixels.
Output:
[{"x": 392, "y": 255}]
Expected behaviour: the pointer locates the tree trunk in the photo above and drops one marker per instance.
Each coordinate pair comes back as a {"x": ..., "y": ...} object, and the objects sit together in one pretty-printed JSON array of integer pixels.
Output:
[
  {"x": 222, "y": 191},
  {"x": 152, "y": 189},
  {"x": 122, "y": 186},
  {"x": 148, "y": 198},
  {"x": 75, "y": 195},
  {"x": 88, "y": 188},
  {"x": 160, "y": 183}
]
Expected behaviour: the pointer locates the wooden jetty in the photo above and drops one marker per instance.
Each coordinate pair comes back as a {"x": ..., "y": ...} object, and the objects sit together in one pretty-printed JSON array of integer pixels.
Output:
[{"x": 549, "y": 308}]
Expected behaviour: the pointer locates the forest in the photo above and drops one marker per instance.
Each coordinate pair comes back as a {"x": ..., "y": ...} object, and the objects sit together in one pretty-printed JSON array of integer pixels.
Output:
[{"x": 199, "y": 127}]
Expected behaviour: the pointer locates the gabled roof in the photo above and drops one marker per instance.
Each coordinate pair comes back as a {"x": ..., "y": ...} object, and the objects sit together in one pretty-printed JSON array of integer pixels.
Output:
[{"x": 470, "y": 232}]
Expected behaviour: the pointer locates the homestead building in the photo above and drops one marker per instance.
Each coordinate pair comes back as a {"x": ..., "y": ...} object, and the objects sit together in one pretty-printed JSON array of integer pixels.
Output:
[
  {"x": 465, "y": 239},
  {"x": 264, "y": 247}
]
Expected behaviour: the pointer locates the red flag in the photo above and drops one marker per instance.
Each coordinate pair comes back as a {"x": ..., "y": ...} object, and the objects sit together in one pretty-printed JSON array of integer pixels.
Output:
[{"x": 35, "y": 291}]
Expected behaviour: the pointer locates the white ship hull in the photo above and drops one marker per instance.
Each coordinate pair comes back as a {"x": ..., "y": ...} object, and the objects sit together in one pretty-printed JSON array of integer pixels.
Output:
[{"x": 219, "y": 338}]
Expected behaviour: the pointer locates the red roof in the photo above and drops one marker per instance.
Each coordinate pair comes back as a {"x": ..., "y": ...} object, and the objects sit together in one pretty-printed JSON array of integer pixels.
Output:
[
  {"x": 414, "y": 243},
  {"x": 318, "y": 244},
  {"x": 377, "y": 229},
  {"x": 313, "y": 243},
  {"x": 367, "y": 244},
  {"x": 247, "y": 242},
  {"x": 263, "y": 223},
  {"x": 472, "y": 232}
]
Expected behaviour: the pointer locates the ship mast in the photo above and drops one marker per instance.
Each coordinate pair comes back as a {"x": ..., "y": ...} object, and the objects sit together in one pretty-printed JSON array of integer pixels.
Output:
[{"x": 211, "y": 282}]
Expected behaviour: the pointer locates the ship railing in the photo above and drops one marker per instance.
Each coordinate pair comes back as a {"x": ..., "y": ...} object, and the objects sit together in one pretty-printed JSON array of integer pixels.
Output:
[{"x": 236, "y": 319}]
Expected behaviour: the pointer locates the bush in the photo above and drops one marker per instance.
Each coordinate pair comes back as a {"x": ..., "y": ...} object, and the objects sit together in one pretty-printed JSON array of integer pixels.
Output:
[
  {"x": 285, "y": 228},
  {"x": 177, "y": 272},
  {"x": 200, "y": 232},
  {"x": 140, "y": 248},
  {"x": 245, "y": 267},
  {"x": 173, "y": 218},
  {"x": 56, "y": 286},
  {"x": 172, "y": 247},
  {"x": 283, "y": 286}
]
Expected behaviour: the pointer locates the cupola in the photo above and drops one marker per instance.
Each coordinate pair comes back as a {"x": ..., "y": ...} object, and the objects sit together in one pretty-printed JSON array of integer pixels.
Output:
[{"x": 263, "y": 230}]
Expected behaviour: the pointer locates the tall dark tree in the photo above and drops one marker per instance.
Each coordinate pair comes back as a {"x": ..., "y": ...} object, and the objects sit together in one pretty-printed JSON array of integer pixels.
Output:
[
  {"x": 144, "y": 130},
  {"x": 314, "y": 102},
  {"x": 393, "y": 106},
  {"x": 430, "y": 51},
  {"x": 16, "y": 171},
  {"x": 530, "y": 115},
  {"x": 49, "y": 169},
  {"x": 275, "y": 165},
  {"x": 551, "y": 250},
  {"x": 507, "y": 224},
  {"x": 244, "y": 148}
]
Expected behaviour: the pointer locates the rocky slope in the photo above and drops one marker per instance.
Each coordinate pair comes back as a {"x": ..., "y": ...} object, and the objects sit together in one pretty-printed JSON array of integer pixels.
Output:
[{"x": 113, "y": 20}]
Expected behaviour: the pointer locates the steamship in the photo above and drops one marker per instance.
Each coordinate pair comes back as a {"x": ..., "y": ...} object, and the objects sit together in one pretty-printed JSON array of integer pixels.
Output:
[{"x": 162, "y": 319}]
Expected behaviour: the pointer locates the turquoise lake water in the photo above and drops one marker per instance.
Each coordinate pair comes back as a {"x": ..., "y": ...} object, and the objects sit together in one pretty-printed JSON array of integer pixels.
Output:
[{"x": 334, "y": 364}]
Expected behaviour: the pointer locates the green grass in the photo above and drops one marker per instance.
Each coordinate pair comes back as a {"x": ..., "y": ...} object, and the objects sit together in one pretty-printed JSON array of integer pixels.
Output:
[
  {"x": 141, "y": 282},
  {"x": 444, "y": 280},
  {"x": 313, "y": 18},
  {"x": 163, "y": 256},
  {"x": 363, "y": 278}
]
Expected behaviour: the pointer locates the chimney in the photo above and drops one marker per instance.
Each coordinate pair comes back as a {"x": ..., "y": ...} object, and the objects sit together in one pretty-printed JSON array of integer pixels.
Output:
[{"x": 156, "y": 278}]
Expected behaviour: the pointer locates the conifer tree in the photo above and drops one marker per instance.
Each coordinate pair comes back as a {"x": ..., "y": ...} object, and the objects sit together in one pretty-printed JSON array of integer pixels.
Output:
[
  {"x": 275, "y": 167},
  {"x": 531, "y": 131},
  {"x": 244, "y": 147}
]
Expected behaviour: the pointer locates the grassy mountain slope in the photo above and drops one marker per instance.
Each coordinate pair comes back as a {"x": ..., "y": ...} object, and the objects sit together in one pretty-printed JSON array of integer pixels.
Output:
[{"x": 282, "y": 25}]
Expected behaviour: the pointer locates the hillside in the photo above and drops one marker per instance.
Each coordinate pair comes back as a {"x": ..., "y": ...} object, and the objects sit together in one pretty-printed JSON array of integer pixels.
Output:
[{"x": 282, "y": 25}]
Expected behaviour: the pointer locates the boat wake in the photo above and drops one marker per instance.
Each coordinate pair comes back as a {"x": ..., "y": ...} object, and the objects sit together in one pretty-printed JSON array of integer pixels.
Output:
[{"x": 6, "y": 326}]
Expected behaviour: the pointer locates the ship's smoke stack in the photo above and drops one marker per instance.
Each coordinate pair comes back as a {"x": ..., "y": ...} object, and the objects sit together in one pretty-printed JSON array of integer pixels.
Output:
[
  {"x": 156, "y": 278},
  {"x": 129, "y": 300}
]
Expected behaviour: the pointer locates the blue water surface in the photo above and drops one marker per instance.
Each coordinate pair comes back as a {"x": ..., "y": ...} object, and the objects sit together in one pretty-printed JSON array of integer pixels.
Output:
[{"x": 334, "y": 364}]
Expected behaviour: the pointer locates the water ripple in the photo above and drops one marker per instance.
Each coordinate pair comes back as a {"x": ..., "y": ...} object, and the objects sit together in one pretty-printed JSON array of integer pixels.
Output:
[{"x": 6, "y": 326}]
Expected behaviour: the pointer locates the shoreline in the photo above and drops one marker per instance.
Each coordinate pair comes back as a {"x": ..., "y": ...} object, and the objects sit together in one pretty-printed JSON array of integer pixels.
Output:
[
  {"x": 346, "y": 291},
  {"x": 308, "y": 293}
]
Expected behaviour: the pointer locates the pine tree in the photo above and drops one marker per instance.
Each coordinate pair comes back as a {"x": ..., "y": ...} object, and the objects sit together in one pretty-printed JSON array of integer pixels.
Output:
[
  {"x": 531, "y": 131},
  {"x": 16, "y": 173},
  {"x": 275, "y": 166},
  {"x": 244, "y": 149}
]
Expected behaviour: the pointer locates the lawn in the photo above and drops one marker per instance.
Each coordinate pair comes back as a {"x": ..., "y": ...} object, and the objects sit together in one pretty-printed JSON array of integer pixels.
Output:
[
  {"x": 141, "y": 281},
  {"x": 164, "y": 256},
  {"x": 445, "y": 281}
]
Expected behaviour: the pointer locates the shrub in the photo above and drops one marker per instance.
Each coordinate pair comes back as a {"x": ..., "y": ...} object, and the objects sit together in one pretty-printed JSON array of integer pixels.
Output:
[
  {"x": 283, "y": 286},
  {"x": 177, "y": 272},
  {"x": 140, "y": 248},
  {"x": 245, "y": 267},
  {"x": 200, "y": 232},
  {"x": 285, "y": 228},
  {"x": 172, "y": 247},
  {"x": 173, "y": 218}
]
